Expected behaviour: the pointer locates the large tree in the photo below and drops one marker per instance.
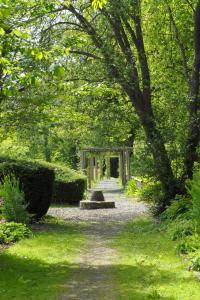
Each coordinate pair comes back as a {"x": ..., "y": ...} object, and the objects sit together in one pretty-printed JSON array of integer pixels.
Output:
[
  {"x": 107, "y": 42},
  {"x": 116, "y": 40}
]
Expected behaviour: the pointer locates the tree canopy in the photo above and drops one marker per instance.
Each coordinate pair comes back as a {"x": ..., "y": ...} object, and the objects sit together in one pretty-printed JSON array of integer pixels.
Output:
[{"x": 76, "y": 73}]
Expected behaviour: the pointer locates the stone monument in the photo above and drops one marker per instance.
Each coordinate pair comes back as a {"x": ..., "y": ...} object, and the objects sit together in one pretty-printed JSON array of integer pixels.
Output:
[{"x": 96, "y": 201}]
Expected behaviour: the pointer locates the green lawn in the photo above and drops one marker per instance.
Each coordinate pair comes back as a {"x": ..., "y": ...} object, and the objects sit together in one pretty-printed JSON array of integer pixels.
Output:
[
  {"x": 148, "y": 267},
  {"x": 38, "y": 267}
]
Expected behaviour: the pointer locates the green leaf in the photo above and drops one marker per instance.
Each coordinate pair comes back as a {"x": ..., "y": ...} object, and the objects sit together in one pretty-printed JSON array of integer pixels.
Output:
[
  {"x": 17, "y": 32},
  {"x": 39, "y": 56},
  {"x": 59, "y": 71},
  {"x": 2, "y": 31}
]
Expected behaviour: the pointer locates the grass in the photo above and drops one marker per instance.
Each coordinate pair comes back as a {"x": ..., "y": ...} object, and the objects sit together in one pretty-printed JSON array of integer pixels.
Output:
[
  {"x": 38, "y": 267},
  {"x": 148, "y": 267}
]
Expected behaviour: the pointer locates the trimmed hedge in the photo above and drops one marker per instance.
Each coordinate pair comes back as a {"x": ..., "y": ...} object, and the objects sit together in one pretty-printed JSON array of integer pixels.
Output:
[
  {"x": 69, "y": 185},
  {"x": 69, "y": 192},
  {"x": 36, "y": 181}
]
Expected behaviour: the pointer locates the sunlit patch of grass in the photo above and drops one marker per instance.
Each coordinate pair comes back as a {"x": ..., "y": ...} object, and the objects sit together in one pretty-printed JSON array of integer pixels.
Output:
[
  {"x": 38, "y": 268},
  {"x": 148, "y": 267}
]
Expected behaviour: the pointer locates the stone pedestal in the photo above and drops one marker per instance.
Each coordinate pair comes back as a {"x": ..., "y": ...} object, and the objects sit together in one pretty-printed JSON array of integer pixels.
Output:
[
  {"x": 96, "y": 202},
  {"x": 87, "y": 204}
]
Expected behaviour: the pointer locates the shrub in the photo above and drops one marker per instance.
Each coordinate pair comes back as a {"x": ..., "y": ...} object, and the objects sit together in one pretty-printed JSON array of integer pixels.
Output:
[
  {"x": 180, "y": 228},
  {"x": 188, "y": 244},
  {"x": 131, "y": 188},
  {"x": 12, "y": 232},
  {"x": 36, "y": 180},
  {"x": 69, "y": 185},
  {"x": 14, "y": 206},
  {"x": 194, "y": 190},
  {"x": 69, "y": 192},
  {"x": 179, "y": 208},
  {"x": 2, "y": 237},
  {"x": 195, "y": 261},
  {"x": 151, "y": 192}
]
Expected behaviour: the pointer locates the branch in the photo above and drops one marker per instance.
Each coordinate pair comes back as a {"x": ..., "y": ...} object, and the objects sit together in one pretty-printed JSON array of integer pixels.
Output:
[
  {"x": 88, "y": 54},
  {"x": 180, "y": 44},
  {"x": 85, "y": 79},
  {"x": 123, "y": 42},
  {"x": 190, "y": 5},
  {"x": 139, "y": 43},
  {"x": 98, "y": 42},
  {"x": 62, "y": 23}
]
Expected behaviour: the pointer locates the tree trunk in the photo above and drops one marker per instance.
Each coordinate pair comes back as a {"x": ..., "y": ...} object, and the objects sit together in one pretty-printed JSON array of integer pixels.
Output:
[
  {"x": 161, "y": 160},
  {"x": 194, "y": 105}
]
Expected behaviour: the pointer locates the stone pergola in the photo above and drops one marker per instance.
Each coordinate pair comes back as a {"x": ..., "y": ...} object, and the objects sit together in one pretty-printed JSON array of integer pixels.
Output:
[{"x": 93, "y": 159}]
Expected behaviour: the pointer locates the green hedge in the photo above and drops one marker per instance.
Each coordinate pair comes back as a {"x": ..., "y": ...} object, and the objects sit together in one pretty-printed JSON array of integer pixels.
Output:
[
  {"x": 69, "y": 192},
  {"x": 36, "y": 181},
  {"x": 69, "y": 185}
]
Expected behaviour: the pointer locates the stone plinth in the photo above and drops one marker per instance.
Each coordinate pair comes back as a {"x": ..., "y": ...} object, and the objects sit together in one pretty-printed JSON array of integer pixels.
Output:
[
  {"x": 97, "y": 196},
  {"x": 88, "y": 204}
]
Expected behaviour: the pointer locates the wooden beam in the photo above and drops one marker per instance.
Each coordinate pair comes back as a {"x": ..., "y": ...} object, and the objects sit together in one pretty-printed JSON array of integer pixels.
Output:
[
  {"x": 101, "y": 168},
  {"x": 123, "y": 168},
  {"x": 83, "y": 161},
  {"x": 96, "y": 168},
  {"x": 92, "y": 168},
  {"x": 108, "y": 167},
  {"x": 128, "y": 165},
  {"x": 107, "y": 149}
]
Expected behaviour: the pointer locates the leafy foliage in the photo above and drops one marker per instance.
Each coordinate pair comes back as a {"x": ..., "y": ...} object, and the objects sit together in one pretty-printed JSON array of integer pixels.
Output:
[
  {"x": 13, "y": 232},
  {"x": 180, "y": 229},
  {"x": 195, "y": 261},
  {"x": 179, "y": 208},
  {"x": 188, "y": 244},
  {"x": 194, "y": 190},
  {"x": 36, "y": 181},
  {"x": 151, "y": 192},
  {"x": 14, "y": 207},
  {"x": 131, "y": 188}
]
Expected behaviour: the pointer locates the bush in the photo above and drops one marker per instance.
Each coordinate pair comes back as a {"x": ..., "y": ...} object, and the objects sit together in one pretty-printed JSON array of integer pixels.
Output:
[
  {"x": 36, "y": 180},
  {"x": 69, "y": 192},
  {"x": 189, "y": 244},
  {"x": 179, "y": 208},
  {"x": 12, "y": 232},
  {"x": 131, "y": 188},
  {"x": 180, "y": 229},
  {"x": 195, "y": 261},
  {"x": 151, "y": 192},
  {"x": 194, "y": 190},
  {"x": 14, "y": 206},
  {"x": 69, "y": 185}
]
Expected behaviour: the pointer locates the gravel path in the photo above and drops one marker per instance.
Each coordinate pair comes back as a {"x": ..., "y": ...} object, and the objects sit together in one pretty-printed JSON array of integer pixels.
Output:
[
  {"x": 91, "y": 279},
  {"x": 125, "y": 209}
]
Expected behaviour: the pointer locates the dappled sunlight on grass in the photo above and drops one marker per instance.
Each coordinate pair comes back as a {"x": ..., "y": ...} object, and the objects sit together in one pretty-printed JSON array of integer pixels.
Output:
[
  {"x": 148, "y": 266},
  {"x": 37, "y": 268}
]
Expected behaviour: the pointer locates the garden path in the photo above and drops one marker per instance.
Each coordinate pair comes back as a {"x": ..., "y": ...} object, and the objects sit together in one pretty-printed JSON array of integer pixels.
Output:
[{"x": 91, "y": 279}]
